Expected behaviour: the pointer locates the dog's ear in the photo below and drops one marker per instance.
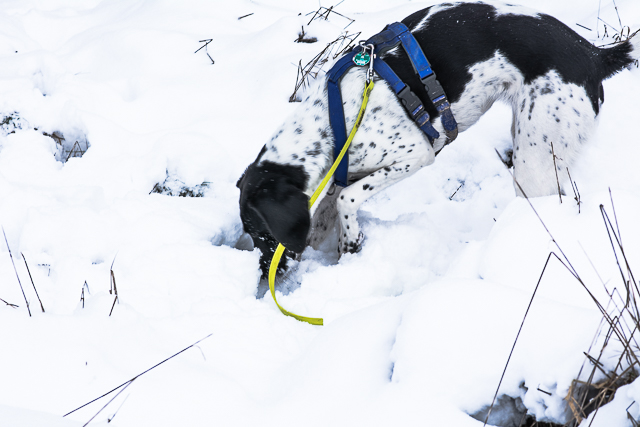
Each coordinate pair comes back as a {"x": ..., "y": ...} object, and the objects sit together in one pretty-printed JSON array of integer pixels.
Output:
[
  {"x": 286, "y": 214},
  {"x": 262, "y": 151}
]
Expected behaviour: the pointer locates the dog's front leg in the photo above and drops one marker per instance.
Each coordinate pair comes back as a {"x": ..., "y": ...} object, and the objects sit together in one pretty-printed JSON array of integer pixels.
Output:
[{"x": 352, "y": 197}]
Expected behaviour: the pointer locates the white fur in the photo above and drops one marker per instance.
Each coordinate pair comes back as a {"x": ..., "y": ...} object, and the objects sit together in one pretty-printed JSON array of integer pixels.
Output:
[
  {"x": 548, "y": 111},
  {"x": 512, "y": 9}
]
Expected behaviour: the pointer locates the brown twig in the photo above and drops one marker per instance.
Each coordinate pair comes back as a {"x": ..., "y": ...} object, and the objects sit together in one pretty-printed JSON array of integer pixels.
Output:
[
  {"x": 576, "y": 193},
  {"x": 32, "y": 283},
  {"x": 126, "y": 383},
  {"x": 206, "y": 43},
  {"x": 113, "y": 290},
  {"x": 107, "y": 404},
  {"x": 85, "y": 285},
  {"x": 324, "y": 12},
  {"x": 16, "y": 270},
  {"x": 555, "y": 168},
  {"x": 9, "y": 304},
  {"x": 456, "y": 192},
  {"x": 302, "y": 39},
  {"x": 504, "y": 371}
]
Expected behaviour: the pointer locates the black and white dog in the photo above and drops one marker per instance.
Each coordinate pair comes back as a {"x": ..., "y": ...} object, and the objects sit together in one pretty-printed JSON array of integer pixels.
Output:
[{"x": 551, "y": 77}]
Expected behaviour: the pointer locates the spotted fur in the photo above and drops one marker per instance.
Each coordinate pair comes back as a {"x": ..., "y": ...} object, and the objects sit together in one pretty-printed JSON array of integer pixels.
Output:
[{"x": 551, "y": 77}]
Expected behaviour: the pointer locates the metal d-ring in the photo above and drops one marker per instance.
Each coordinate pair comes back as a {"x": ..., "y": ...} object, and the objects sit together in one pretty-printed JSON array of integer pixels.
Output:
[
  {"x": 332, "y": 189},
  {"x": 370, "y": 71},
  {"x": 361, "y": 59}
]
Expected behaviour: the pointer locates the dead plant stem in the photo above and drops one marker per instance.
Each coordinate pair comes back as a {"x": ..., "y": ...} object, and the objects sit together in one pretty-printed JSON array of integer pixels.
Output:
[{"x": 16, "y": 270}]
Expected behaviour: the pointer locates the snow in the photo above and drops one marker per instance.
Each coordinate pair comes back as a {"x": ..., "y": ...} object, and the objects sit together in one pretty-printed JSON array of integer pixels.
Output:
[{"x": 418, "y": 325}]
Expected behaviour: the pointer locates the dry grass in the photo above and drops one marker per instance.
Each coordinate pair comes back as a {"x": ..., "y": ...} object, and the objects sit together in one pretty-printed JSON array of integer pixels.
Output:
[
  {"x": 619, "y": 325},
  {"x": 330, "y": 52},
  {"x": 617, "y": 331}
]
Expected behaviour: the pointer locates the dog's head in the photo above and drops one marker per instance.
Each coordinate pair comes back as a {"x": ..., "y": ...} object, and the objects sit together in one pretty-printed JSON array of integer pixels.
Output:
[{"x": 274, "y": 208}]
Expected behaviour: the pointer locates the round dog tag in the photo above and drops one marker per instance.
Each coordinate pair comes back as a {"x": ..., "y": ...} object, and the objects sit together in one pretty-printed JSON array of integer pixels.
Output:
[{"x": 362, "y": 58}]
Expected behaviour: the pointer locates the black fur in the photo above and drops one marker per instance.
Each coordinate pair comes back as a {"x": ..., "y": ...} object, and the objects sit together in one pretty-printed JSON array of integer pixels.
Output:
[{"x": 273, "y": 208}]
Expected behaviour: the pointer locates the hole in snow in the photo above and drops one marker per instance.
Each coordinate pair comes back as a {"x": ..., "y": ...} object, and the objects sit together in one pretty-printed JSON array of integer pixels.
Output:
[
  {"x": 172, "y": 186},
  {"x": 510, "y": 412},
  {"x": 12, "y": 122},
  {"x": 244, "y": 243},
  {"x": 68, "y": 145}
]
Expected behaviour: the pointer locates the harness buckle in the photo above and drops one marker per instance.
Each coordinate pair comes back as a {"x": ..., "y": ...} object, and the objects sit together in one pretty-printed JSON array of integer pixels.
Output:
[
  {"x": 412, "y": 103},
  {"x": 433, "y": 87},
  {"x": 440, "y": 101}
]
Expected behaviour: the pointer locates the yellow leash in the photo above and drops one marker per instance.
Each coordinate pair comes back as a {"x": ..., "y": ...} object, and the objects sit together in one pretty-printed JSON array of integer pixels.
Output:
[{"x": 280, "y": 250}]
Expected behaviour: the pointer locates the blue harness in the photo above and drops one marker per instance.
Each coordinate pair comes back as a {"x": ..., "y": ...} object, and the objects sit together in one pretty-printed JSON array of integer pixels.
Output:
[{"x": 393, "y": 35}]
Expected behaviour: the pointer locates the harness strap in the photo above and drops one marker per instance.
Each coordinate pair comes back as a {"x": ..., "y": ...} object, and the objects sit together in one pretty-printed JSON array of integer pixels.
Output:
[
  {"x": 392, "y": 36},
  {"x": 388, "y": 39},
  {"x": 336, "y": 114}
]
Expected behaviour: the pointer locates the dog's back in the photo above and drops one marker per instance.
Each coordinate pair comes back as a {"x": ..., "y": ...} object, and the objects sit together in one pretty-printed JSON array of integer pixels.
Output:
[{"x": 457, "y": 36}]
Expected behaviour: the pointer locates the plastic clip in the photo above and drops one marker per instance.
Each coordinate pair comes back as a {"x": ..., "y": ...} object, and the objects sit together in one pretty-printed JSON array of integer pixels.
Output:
[
  {"x": 433, "y": 87},
  {"x": 414, "y": 106}
]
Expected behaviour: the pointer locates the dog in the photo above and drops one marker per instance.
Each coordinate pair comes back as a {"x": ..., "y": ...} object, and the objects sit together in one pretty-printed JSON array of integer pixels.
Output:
[{"x": 549, "y": 75}]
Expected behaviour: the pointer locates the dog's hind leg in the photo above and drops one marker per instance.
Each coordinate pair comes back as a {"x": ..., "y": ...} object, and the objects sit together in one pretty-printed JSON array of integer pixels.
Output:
[{"x": 551, "y": 118}]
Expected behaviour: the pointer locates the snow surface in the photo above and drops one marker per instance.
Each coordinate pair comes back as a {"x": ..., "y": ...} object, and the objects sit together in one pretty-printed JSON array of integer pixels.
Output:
[{"x": 418, "y": 325}]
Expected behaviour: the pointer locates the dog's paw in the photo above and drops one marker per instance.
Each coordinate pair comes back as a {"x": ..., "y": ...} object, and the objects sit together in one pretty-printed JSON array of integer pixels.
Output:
[{"x": 351, "y": 247}]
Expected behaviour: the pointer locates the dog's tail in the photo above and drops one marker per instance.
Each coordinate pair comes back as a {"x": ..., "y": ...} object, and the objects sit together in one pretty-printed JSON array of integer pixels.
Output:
[{"x": 622, "y": 55}]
